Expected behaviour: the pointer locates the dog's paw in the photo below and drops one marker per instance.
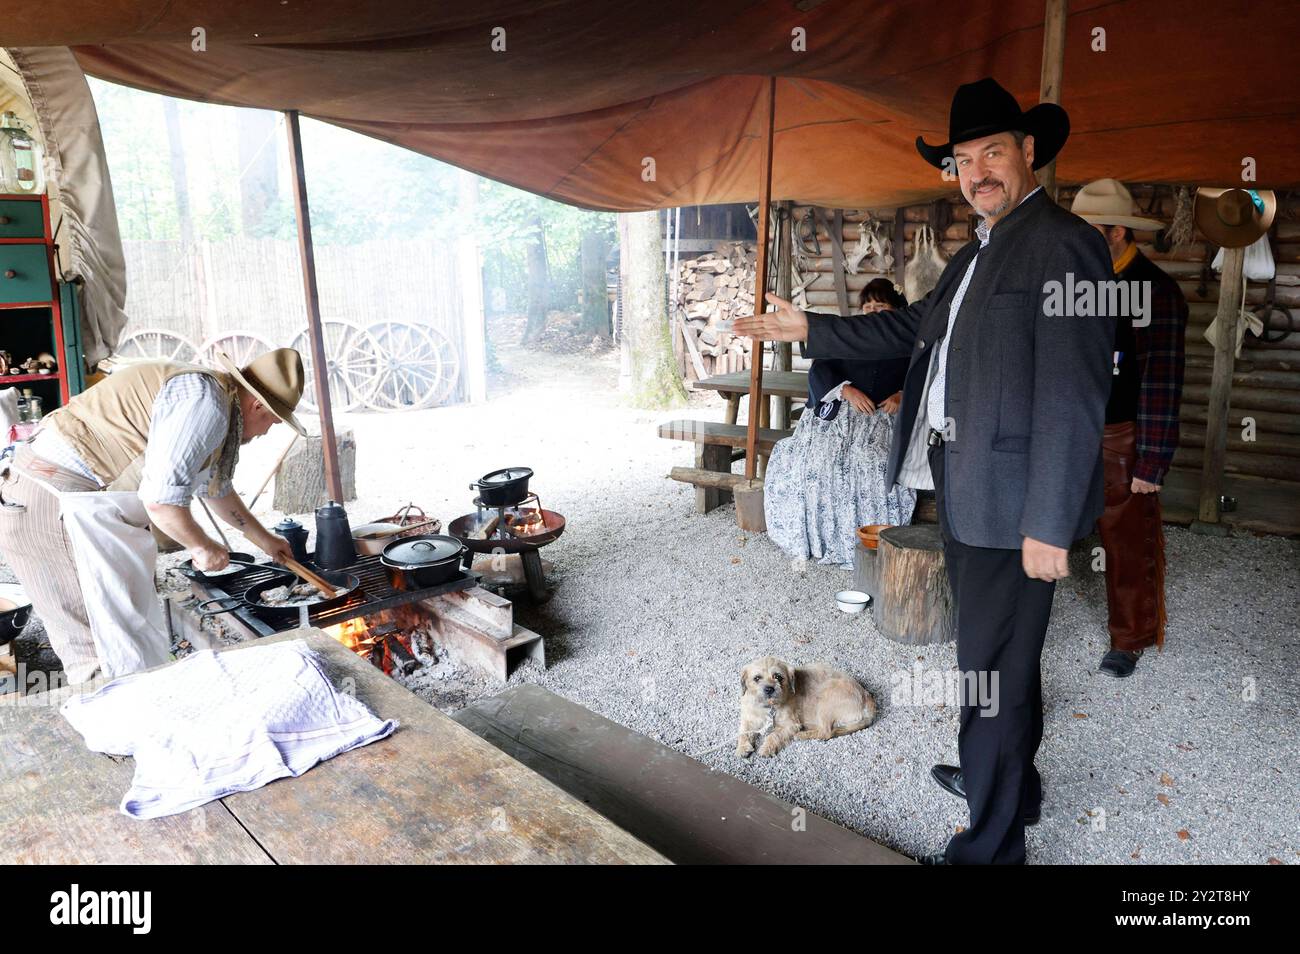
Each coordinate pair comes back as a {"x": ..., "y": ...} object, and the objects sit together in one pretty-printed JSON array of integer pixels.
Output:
[
  {"x": 769, "y": 748},
  {"x": 744, "y": 749}
]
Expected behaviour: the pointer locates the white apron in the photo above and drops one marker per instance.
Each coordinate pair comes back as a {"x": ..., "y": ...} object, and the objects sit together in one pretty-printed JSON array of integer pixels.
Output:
[{"x": 116, "y": 556}]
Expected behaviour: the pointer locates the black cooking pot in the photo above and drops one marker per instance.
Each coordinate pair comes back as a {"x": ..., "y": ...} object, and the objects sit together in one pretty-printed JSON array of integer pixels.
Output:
[
  {"x": 417, "y": 563},
  {"x": 503, "y": 488},
  {"x": 13, "y": 620}
]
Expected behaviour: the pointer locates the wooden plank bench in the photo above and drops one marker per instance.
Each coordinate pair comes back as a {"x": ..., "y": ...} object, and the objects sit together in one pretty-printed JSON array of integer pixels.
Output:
[
  {"x": 682, "y": 809},
  {"x": 432, "y": 792},
  {"x": 714, "y": 442}
]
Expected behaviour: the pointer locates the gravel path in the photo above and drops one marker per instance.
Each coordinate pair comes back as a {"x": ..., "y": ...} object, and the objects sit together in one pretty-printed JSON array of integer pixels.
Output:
[{"x": 657, "y": 608}]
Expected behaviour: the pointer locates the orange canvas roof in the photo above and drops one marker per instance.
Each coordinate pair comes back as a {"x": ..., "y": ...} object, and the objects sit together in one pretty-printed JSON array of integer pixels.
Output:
[{"x": 585, "y": 91}]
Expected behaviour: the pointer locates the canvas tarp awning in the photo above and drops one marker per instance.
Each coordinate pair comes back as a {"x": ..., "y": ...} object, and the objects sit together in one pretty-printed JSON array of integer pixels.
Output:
[{"x": 585, "y": 91}]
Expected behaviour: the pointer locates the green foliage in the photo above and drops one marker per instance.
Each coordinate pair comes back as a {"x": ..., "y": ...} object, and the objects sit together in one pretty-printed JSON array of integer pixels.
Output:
[
  {"x": 506, "y": 225},
  {"x": 359, "y": 189}
]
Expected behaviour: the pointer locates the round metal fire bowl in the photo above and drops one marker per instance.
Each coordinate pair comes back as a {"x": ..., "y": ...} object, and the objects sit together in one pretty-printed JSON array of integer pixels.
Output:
[{"x": 462, "y": 526}]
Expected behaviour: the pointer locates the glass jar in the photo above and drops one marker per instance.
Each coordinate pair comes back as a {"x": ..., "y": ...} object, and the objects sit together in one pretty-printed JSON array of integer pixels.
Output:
[
  {"x": 35, "y": 409},
  {"x": 22, "y": 167}
]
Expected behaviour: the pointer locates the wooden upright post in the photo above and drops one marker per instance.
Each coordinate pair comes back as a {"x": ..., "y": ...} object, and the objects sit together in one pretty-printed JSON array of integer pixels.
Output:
[
  {"x": 1225, "y": 356},
  {"x": 320, "y": 369},
  {"x": 760, "y": 282},
  {"x": 1049, "y": 87},
  {"x": 782, "y": 285}
]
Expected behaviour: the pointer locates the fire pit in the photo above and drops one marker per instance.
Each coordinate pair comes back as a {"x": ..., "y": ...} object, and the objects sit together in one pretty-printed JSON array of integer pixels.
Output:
[
  {"x": 523, "y": 529},
  {"x": 381, "y": 623}
]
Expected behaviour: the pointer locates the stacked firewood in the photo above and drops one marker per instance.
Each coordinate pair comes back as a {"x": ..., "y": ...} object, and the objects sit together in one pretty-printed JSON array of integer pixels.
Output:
[{"x": 714, "y": 288}]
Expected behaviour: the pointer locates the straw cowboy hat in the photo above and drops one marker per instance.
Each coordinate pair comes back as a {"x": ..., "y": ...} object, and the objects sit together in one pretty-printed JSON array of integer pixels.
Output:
[
  {"x": 1234, "y": 218},
  {"x": 1108, "y": 202},
  {"x": 983, "y": 108},
  {"x": 275, "y": 378}
]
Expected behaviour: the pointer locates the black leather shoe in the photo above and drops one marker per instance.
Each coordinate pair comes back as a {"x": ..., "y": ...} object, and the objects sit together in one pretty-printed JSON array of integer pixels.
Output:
[
  {"x": 1119, "y": 663},
  {"x": 950, "y": 780},
  {"x": 938, "y": 858}
]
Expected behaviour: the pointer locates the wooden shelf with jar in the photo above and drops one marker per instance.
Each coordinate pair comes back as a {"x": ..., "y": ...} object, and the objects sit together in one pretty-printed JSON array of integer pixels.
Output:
[{"x": 32, "y": 304}]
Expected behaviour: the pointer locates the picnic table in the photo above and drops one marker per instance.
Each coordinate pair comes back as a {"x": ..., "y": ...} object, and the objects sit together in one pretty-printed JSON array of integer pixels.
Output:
[
  {"x": 432, "y": 792},
  {"x": 734, "y": 386}
]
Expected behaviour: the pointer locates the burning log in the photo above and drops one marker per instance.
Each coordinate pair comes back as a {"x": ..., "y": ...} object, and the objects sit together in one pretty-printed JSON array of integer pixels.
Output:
[{"x": 400, "y": 656}]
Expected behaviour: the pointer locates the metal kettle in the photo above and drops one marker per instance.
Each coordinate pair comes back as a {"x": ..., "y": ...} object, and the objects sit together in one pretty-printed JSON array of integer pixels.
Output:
[
  {"x": 334, "y": 546},
  {"x": 296, "y": 535}
]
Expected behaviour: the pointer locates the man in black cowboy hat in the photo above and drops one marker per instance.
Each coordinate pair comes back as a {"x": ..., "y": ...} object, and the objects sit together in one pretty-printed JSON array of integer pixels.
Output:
[{"x": 1003, "y": 409}]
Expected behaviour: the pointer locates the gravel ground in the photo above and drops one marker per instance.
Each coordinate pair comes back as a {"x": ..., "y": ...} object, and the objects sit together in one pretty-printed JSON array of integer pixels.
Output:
[{"x": 657, "y": 608}]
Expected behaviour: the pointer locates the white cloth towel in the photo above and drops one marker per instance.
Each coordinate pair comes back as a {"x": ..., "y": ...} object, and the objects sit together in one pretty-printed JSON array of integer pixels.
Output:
[{"x": 218, "y": 723}]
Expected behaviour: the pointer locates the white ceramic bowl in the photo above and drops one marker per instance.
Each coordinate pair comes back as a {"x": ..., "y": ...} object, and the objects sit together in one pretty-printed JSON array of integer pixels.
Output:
[{"x": 852, "y": 601}]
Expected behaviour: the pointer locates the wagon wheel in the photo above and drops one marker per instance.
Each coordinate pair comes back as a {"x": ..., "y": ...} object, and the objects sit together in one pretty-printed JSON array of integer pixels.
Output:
[
  {"x": 156, "y": 343},
  {"x": 410, "y": 367},
  {"x": 352, "y": 359},
  {"x": 242, "y": 346},
  {"x": 450, "y": 367}
]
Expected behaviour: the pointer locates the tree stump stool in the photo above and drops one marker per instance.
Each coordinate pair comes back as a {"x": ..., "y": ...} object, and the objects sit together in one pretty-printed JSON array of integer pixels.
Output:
[
  {"x": 300, "y": 483},
  {"x": 866, "y": 540},
  {"x": 913, "y": 603}
]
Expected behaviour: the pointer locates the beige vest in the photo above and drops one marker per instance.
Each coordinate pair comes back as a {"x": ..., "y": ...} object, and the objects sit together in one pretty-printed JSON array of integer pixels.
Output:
[{"x": 108, "y": 425}]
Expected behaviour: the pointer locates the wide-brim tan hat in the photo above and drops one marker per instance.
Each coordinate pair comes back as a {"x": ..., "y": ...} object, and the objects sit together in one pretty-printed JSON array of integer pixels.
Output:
[
  {"x": 275, "y": 378},
  {"x": 1108, "y": 202},
  {"x": 1230, "y": 218}
]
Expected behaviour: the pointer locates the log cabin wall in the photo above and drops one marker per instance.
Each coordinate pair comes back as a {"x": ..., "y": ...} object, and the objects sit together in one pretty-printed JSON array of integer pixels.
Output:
[{"x": 1266, "y": 382}]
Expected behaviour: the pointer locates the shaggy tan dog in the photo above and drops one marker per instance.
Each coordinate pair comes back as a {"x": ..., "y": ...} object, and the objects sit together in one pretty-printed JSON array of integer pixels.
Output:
[{"x": 803, "y": 702}]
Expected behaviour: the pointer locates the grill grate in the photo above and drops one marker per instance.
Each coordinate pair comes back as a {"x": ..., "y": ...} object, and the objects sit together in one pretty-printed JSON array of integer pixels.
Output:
[{"x": 375, "y": 593}]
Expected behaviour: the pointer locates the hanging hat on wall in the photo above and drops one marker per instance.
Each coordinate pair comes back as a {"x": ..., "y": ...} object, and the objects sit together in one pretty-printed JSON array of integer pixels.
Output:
[
  {"x": 1108, "y": 202},
  {"x": 983, "y": 108},
  {"x": 1234, "y": 218}
]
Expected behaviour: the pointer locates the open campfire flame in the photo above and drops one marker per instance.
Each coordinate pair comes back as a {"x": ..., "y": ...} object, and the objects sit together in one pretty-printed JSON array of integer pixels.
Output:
[
  {"x": 373, "y": 640},
  {"x": 352, "y": 633},
  {"x": 524, "y": 522}
]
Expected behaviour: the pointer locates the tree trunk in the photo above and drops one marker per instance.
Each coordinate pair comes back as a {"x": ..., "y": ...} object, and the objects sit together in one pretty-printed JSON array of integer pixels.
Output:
[
  {"x": 653, "y": 381},
  {"x": 595, "y": 300},
  {"x": 539, "y": 283},
  {"x": 180, "y": 185},
  {"x": 259, "y": 179}
]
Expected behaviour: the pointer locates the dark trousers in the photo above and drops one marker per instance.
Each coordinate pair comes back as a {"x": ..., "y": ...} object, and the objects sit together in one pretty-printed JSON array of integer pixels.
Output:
[{"x": 1001, "y": 622}]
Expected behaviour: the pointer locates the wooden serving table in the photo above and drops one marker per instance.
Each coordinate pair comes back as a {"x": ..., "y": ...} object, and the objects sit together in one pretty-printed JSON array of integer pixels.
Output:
[
  {"x": 734, "y": 386},
  {"x": 432, "y": 792}
]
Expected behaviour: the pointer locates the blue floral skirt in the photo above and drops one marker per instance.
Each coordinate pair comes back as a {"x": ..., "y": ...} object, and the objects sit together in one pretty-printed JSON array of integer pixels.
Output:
[{"x": 827, "y": 479}]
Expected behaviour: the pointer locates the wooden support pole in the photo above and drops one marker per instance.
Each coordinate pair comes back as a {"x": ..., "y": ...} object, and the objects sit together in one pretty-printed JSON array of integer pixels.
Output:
[
  {"x": 782, "y": 284},
  {"x": 760, "y": 281},
  {"x": 320, "y": 369},
  {"x": 1225, "y": 351},
  {"x": 1049, "y": 88}
]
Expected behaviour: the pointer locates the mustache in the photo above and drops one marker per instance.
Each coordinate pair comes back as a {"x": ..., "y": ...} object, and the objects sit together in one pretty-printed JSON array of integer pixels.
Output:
[{"x": 987, "y": 181}]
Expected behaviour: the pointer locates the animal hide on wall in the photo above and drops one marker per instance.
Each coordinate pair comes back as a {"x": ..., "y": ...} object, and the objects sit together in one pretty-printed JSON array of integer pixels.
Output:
[{"x": 927, "y": 264}]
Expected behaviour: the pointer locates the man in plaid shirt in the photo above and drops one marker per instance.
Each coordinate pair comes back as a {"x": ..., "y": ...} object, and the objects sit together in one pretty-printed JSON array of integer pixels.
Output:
[{"x": 1141, "y": 429}]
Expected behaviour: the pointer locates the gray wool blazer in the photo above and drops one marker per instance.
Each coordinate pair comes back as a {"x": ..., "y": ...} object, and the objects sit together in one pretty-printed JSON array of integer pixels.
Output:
[{"x": 1026, "y": 390}]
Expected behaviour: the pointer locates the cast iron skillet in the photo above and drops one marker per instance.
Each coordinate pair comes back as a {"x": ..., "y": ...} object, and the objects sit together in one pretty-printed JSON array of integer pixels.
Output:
[
  {"x": 188, "y": 569},
  {"x": 252, "y": 598}
]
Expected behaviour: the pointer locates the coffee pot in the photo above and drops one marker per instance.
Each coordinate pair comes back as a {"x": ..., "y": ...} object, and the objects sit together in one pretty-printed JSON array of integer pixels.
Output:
[
  {"x": 334, "y": 546},
  {"x": 296, "y": 535}
]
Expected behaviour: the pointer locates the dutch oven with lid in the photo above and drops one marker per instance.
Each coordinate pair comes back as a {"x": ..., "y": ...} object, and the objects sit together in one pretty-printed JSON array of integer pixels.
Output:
[
  {"x": 416, "y": 563},
  {"x": 503, "y": 488}
]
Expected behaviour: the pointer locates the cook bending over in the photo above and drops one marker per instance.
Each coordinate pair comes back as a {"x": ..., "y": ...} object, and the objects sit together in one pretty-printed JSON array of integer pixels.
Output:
[{"x": 131, "y": 451}]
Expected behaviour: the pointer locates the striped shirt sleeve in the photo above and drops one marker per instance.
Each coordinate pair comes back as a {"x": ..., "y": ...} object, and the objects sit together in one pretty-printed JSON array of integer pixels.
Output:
[{"x": 189, "y": 423}]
